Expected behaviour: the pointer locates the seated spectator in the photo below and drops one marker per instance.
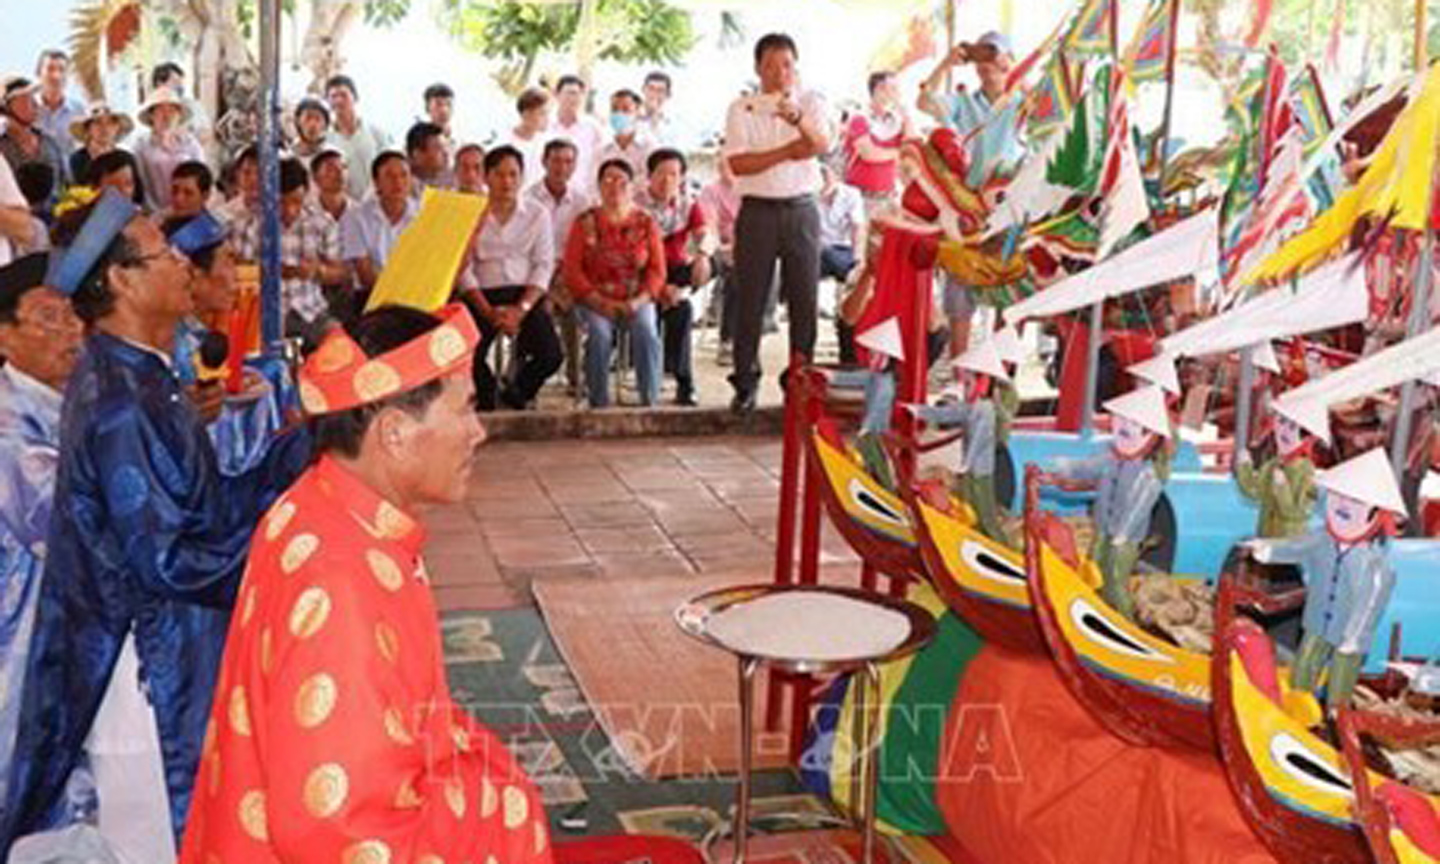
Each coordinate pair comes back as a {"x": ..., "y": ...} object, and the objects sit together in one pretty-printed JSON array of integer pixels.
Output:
[
  {"x": 331, "y": 190},
  {"x": 190, "y": 188},
  {"x": 372, "y": 227},
  {"x": 470, "y": 169},
  {"x": 615, "y": 268},
  {"x": 120, "y": 170},
  {"x": 842, "y": 222},
  {"x": 312, "y": 129},
  {"x": 562, "y": 200},
  {"x": 429, "y": 166},
  {"x": 687, "y": 265},
  {"x": 168, "y": 144},
  {"x": 98, "y": 133},
  {"x": 309, "y": 255},
  {"x": 630, "y": 142},
  {"x": 721, "y": 201},
  {"x": 37, "y": 183},
  {"x": 243, "y": 190},
  {"x": 530, "y": 135},
  {"x": 23, "y": 140},
  {"x": 508, "y": 276}
]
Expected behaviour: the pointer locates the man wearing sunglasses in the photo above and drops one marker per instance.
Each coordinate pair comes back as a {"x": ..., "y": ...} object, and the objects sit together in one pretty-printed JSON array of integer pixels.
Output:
[{"x": 146, "y": 544}]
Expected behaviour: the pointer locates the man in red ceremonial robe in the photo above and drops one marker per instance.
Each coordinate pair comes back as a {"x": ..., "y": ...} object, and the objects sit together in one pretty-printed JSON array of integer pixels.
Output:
[{"x": 333, "y": 736}]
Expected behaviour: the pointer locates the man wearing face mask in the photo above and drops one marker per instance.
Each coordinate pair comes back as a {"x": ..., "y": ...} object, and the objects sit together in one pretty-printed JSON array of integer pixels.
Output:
[
  {"x": 1348, "y": 578},
  {"x": 631, "y": 142},
  {"x": 773, "y": 140}
]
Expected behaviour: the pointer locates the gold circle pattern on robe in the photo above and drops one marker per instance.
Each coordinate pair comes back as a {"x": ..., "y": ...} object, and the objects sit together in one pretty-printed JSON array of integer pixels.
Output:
[
  {"x": 252, "y": 815},
  {"x": 326, "y": 789},
  {"x": 309, "y": 613},
  {"x": 315, "y": 700}
]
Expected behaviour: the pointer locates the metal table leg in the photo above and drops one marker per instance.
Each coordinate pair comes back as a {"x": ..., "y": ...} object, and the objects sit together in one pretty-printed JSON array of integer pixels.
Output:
[{"x": 748, "y": 667}]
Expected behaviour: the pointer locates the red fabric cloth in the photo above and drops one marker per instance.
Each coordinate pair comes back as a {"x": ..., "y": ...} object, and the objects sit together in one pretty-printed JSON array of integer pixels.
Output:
[
  {"x": 1028, "y": 777},
  {"x": 676, "y": 242},
  {"x": 902, "y": 291},
  {"x": 618, "y": 260},
  {"x": 869, "y": 176},
  {"x": 333, "y": 735}
]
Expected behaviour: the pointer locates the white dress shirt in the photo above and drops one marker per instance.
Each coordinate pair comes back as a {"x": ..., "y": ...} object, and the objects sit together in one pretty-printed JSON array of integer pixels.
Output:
[
  {"x": 588, "y": 136},
  {"x": 365, "y": 230},
  {"x": 752, "y": 126},
  {"x": 562, "y": 211},
  {"x": 10, "y": 196},
  {"x": 519, "y": 251}
]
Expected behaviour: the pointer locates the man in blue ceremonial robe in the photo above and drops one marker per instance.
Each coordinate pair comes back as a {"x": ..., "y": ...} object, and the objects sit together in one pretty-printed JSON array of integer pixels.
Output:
[
  {"x": 146, "y": 546},
  {"x": 39, "y": 341}
]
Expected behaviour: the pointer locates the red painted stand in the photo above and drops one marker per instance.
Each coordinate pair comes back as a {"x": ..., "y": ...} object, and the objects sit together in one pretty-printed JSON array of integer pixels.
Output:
[{"x": 799, "y": 485}]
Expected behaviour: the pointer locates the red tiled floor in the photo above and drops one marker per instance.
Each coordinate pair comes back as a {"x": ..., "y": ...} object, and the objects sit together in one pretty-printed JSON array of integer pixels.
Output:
[{"x": 606, "y": 509}]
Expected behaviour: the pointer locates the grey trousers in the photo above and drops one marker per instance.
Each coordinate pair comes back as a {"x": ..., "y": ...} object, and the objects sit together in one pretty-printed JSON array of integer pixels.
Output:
[{"x": 767, "y": 229}]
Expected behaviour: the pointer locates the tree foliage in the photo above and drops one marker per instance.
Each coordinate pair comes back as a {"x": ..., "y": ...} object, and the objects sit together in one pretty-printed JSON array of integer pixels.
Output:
[{"x": 626, "y": 31}]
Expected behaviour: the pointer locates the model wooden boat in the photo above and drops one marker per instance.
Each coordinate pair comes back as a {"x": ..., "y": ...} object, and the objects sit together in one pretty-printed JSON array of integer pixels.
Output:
[
  {"x": 981, "y": 580},
  {"x": 1291, "y": 785},
  {"x": 872, "y": 519},
  {"x": 1401, "y": 824},
  {"x": 1142, "y": 688}
]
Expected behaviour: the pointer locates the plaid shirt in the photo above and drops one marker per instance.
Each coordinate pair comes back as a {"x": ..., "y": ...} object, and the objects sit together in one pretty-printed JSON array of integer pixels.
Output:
[{"x": 313, "y": 237}]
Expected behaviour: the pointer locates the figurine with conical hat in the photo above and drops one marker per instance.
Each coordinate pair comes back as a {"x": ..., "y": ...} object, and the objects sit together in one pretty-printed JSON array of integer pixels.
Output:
[
  {"x": 1128, "y": 479},
  {"x": 883, "y": 349},
  {"x": 1348, "y": 579},
  {"x": 968, "y": 405},
  {"x": 1284, "y": 484}
]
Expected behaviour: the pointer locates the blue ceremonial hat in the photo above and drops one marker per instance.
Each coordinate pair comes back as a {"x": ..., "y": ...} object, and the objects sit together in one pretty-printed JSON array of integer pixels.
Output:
[
  {"x": 109, "y": 215},
  {"x": 199, "y": 234}
]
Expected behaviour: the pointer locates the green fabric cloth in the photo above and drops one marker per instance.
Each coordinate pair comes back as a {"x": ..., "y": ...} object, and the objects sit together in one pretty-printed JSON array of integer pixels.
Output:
[{"x": 915, "y": 729}]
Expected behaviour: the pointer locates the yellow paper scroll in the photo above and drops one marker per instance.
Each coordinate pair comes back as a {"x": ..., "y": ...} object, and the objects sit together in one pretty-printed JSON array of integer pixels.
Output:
[
  {"x": 423, "y": 265},
  {"x": 1396, "y": 185}
]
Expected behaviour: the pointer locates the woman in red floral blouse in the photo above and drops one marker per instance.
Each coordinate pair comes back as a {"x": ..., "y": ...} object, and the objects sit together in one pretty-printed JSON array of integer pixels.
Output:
[{"x": 615, "y": 268}]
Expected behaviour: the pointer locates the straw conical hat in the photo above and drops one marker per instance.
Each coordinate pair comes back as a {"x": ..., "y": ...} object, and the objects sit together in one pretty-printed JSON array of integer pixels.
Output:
[
  {"x": 884, "y": 338},
  {"x": 1160, "y": 371},
  {"x": 1146, "y": 406},
  {"x": 163, "y": 96},
  {"x": 983, "y": 357},
  {"x": 1368, "y": 478}
]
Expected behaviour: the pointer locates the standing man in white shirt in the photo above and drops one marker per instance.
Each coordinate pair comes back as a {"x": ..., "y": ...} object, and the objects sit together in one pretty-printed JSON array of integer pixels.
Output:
[
  {"x": 58, "y": 109},
  {"x": 661, "y": 127},
  {"x": 563, "y": 196},
  {"x": 511, "y": 260},
  {"x": 631, "y": 142},
  {"x": 370, "y": 229},
  {"x": 361, "y": 142},
  {"x": 772, "y": 141},
  {"x": 530, "y": 135},
  {"x": 578, "y": 127}
]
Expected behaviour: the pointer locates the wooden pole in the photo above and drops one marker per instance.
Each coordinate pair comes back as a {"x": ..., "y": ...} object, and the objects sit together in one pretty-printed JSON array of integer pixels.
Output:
[
  {"x": 1170, "y": 51},
  {"x": 1422, "y": 34},
  {"x": 950, "y": 36}
]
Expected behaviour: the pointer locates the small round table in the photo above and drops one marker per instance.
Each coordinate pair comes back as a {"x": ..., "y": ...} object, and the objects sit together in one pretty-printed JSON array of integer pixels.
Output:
[{"x": 809, "y": 630}]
